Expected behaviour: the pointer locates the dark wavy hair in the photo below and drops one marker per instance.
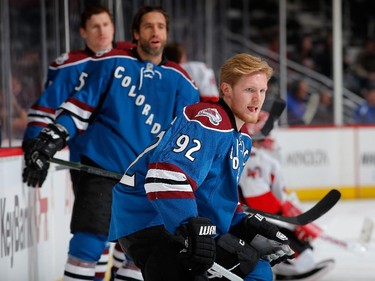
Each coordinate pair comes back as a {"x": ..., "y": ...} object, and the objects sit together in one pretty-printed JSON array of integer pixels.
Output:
[{"x": 136, "y": 23}]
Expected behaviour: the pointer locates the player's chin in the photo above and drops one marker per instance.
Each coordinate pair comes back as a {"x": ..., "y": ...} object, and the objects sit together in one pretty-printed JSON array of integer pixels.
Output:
[{"x": 252, "y": 118}]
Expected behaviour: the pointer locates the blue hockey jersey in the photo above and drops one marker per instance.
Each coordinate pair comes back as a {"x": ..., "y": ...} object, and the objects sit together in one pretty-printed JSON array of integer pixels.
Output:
[
  {"x": 62, "y": 77},
  {"x": 122, "y": 104},
  {"x": 192, "y": 169}
]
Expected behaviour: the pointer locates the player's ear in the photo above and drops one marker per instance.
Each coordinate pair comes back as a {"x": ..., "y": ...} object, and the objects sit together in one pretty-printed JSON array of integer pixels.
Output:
[
  {"x": 226, "y": 89},
  {"x": 82, "y": 32},
  {"x": 136, "y": 35}
]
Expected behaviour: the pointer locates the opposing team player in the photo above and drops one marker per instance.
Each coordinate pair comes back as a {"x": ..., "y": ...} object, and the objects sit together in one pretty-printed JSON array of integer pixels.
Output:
[
  {"x": 176, "y": 207},
  {"x": 123, "y": 100},
  {"x": 262, "y": 187}
]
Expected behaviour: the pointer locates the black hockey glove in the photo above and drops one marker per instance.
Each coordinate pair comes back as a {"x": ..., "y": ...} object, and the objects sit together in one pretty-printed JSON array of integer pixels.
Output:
[
  {"x": 272, "y": 251},
  {"x": 31, "y": 176},
  {"x": 37, "y": 153},
  {"x": 246, "y": 255},
  {"x": 256, "y": 224},
  {"x": 199, "y": 251}
]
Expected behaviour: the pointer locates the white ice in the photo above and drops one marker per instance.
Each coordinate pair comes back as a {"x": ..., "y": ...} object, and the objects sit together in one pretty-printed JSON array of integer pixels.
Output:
[{"x": 344, "y": 223}]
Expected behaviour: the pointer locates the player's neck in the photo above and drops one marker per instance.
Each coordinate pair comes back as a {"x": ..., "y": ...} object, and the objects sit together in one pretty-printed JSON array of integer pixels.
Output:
[{"x": 155, "y": 59}]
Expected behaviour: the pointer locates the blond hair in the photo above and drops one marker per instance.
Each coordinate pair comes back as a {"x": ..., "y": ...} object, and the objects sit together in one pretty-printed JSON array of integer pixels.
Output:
[{"x": 242, "y": 64}]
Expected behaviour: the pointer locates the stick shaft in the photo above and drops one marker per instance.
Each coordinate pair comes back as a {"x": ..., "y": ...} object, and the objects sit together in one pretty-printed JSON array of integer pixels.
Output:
[
  {"x": 225, "y": 272},
  {"x": 86, "y": 168}
]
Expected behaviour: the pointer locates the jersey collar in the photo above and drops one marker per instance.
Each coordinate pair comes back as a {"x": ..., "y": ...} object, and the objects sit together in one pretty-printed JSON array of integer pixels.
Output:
[{"x": 229, "y": 112}]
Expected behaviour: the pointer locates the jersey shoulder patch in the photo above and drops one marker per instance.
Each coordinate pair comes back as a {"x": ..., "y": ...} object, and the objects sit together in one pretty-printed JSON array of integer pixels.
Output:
[
  {"x": 71, "y": 57},
  {"x": 209, "y": 114},
  {"x": 113, "y": 53}
]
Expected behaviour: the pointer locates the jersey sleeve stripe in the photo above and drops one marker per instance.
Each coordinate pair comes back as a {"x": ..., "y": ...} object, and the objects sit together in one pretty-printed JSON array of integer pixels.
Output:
[
  {"x": 165, "y": 182},
  {"x": 39, "y": 115},
  {"x": 170, "y": 195},
  {"x": 78, "y": 109},
  {"x": 44, "y": 109},
  {"x": 81, "y": 125},
  {"x": 39, "y": 121},
  {"x": 165, "y": 169},
  {"x": 36, "y": 123}
]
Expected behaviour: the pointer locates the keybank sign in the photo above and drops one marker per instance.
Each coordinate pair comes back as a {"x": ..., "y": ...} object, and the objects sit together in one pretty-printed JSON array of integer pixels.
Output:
[
  {"x": 307, "y": 158},
  {"x": 20, "y": 224}
]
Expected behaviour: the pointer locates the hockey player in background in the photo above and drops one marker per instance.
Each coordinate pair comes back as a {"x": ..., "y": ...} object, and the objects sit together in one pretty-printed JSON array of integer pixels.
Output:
[
  {"x": 262, "y": 187},
  {"x": 175, "y": 210},
  {"x": 124, "y": 98},
  {"x": 201, "y": 74},
  {"x": 97, "y": 31}
]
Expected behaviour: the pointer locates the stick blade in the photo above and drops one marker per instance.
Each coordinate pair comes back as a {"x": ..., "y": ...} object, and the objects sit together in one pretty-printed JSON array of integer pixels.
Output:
[
  {"x": 320, "y": 208},
  {"x": 316, "y": 211}
]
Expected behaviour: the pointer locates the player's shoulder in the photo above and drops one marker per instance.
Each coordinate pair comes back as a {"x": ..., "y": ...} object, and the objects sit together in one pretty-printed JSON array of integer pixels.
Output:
[
  {"x": 211, "y": 115},
  {"x": 176, "y": 67},
  {"x": 113, "y": 53},
  {"x": 72, "y": 57},
  {"x": 124, "y": 45}
]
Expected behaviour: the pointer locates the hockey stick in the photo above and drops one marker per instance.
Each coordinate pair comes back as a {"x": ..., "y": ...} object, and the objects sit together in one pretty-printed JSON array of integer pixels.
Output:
[
  {"x": 318, "y": 210},
  {"x": 217, "y": 269},
  {"x": 323, "y": 206},
  {"x": 354, "y": 246},
  {"x": 86, "y": 168},
  {"x": 359, "y": 246}
]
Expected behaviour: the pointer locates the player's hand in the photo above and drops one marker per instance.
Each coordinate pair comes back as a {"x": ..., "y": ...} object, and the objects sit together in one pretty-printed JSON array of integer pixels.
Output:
[
  {"x": 37, "y": 153},
  {"x": 199, "y": 251},
  {"x": 256, "y": 224},
  {"x": 34, "y": 177},
  {"x": 272, "y": 251}
]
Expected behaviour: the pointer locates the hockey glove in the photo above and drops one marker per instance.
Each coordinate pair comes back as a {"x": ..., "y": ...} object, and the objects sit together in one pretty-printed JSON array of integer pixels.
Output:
[
  {"x": 199, "y": 251},
  {"x": 246, "y": 255},
  {"x": 272, "y": 251},
  {"x": 37, "y": 153},
  {"x": 256, "y": 224},
  {"x": 31, "y": 176}
]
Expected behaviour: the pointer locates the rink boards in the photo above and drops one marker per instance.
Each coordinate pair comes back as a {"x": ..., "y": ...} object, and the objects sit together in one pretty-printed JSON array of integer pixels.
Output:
[
  {"x": 317, "y": 159},
  {"x": 34, "y": 222}
]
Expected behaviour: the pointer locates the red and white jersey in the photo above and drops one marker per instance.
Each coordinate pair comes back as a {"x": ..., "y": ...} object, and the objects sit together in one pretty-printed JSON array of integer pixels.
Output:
[
  {"x": 204, "y": 78},
  {"x": 262, "y": 183}
]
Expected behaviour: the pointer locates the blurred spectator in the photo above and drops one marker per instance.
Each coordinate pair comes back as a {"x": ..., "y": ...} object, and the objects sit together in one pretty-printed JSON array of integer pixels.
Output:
[
  {"x": 297, "y": 97},
  {"x": 324, "y": 58},
  {"x": 304, "y": 52},
  {"x": 324, "y": 112},
  {"x": 16, "y": 113},
  {"x": 202, "y": 75},
  {"x": 365, "y": 112},
  {"x": 364, "y": 66}
]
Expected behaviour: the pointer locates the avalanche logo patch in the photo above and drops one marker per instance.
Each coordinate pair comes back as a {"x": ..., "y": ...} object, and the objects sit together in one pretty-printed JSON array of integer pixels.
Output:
[
  {"x": 212, "y": 114},
  {"x": 100, "y": 53},
  {"x": 62, "y": 58}
]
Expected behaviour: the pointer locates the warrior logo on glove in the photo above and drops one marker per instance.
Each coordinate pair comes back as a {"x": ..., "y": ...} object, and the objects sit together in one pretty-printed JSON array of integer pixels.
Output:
[{"x": 207, "y": 230}]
